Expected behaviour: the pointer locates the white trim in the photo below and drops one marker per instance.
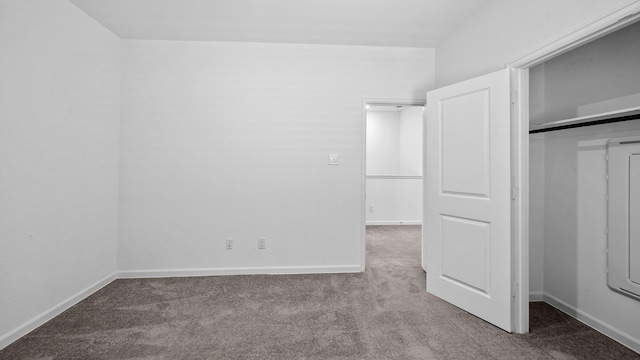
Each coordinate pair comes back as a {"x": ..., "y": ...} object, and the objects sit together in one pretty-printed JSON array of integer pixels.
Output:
[
  {"x": 27, "y": 327},
  {"x": 536, "y": 296},
  {"x": 423, "y": 240},
  {"x": 404, "y": 102},
  {"x": 393, "y": 177},
  {"x": 398, "y": 222},
  {"x": 520, "y": 204},
  {"x": 56, "y": 310},
  {"x": 161, "y": 273},
  {"x": 599, "y": 325},
  {"x": 410, "y": 222},
  {"x": 601, "y": 27},
  {"x": 363, "y": 185}
]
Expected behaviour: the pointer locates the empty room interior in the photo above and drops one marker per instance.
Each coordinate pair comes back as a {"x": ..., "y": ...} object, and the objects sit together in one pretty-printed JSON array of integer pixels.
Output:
[{"x": 286, "y": 179}]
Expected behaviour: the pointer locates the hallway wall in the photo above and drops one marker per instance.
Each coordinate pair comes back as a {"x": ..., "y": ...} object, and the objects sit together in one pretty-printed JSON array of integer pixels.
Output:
[{"x": 394, "y": 166}]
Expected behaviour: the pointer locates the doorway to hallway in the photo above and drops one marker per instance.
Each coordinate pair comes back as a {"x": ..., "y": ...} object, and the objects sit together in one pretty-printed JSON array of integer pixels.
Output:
[{"x": 394, "y": 163}]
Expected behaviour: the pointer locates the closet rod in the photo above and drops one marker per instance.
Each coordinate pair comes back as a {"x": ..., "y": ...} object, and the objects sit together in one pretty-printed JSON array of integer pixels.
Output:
[{"x": 586, "y": 123}]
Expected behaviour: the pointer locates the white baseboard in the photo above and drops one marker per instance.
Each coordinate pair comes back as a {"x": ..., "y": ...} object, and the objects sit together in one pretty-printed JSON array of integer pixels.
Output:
[
  {"x": 132, "y": 274},
  {"x": 394, "y": 222},
  {"x": 599, "y": 325},
  {"x": 56, "y": 310},
  {"x": 536, "y": 296},
  {"x": 7, "y": 339}
]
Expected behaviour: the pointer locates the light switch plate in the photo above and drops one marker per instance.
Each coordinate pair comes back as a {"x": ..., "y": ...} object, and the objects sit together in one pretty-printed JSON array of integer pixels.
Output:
[{"x": 334, "y": 159}]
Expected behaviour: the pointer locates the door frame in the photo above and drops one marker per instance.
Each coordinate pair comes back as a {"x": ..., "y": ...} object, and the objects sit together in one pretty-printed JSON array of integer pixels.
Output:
[
  {"x": 520, "y": 142},
  {"x": 363, "y": 176}
]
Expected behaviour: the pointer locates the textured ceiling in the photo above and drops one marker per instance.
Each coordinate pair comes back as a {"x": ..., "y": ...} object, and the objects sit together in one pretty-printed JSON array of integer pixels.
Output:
[{"x": 402, "y": 23}]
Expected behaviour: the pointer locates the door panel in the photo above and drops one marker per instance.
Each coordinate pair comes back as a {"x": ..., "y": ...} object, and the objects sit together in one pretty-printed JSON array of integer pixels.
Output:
[
  {"x": 459, "y": 237},
  {"x": 465, "y": 145},
  {"x": 634, "y": 213},
  {"x": 467, "y": 196}
]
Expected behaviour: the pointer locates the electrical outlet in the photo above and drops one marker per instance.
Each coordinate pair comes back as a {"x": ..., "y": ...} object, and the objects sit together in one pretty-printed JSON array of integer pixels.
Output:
[
  {"x": 262, "y": 243},
  {"x": 370, "y": 208},
  {"x": 229, "y": 244}
]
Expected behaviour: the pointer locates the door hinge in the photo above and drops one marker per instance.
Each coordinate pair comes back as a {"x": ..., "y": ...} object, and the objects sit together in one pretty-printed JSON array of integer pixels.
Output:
[
  {"x": 514, "y": 97},
  {"x": 515, "y": 288},
  {"x": 514, "y": 193}
]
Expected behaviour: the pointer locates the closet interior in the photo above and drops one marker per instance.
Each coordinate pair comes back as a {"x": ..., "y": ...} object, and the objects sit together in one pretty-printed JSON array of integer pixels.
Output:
[{"x": 584, "y": 164}]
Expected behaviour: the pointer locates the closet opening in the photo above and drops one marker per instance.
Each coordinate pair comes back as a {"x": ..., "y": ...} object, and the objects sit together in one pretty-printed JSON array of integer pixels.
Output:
[{"x": 579, "y": 102}]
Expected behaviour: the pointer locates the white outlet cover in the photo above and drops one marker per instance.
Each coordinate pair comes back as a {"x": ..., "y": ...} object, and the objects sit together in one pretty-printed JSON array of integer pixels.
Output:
[{"x": 334, "y": 159}]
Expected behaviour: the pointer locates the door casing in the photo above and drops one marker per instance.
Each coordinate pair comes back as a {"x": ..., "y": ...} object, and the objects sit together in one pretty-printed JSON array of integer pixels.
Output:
[
  {"x": 520, "y": 142},
  {"x": 520, "y": 146}
]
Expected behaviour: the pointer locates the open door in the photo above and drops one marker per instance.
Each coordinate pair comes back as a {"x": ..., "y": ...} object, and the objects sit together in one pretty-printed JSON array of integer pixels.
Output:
[{"x": 468, "y": 196}]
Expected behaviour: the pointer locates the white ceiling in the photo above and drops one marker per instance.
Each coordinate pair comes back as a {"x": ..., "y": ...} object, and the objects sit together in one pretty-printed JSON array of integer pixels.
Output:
[{"x": 401, "y": 23}]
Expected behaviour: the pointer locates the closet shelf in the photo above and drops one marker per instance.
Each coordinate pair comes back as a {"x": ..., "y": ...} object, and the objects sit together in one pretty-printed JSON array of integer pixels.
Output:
[{"x": 603, "y": 118}]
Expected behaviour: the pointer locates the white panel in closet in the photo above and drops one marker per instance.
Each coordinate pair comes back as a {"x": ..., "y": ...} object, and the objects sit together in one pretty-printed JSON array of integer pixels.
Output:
[
  {"x": 634, "y": 218},
  {"x": 623, "y": 255}
]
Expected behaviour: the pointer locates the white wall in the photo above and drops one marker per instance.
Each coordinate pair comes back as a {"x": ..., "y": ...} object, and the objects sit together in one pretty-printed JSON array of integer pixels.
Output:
[
  {"x": 411, "y": 119},
  {"x": 575, "y": 218},
  {"x": 504, "y": 30},
  {"x": 537, "y": 179},
  {"x": 394, "y": 147},
  {"x": 383, "y": 143},
  {"x": 60, "y": 108},
  {"x": 601, "y": 76},
  {"x": 536, "y": 95},
  {"x": 230, "y": 140},
  {"x": 394, "y": 201}
]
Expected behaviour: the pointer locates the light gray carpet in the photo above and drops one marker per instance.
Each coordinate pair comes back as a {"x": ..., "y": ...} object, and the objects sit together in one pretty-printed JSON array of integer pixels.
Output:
[{"x": 383, "y": 313}]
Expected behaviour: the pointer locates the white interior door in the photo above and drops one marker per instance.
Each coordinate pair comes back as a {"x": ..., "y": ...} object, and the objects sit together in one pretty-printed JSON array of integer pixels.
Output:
[{"x": 468, "y": 196}]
